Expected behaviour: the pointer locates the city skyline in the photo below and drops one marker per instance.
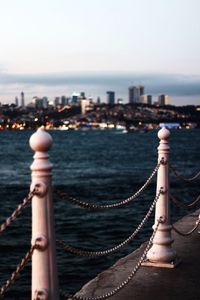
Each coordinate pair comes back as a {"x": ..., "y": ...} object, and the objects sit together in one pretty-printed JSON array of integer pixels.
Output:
[
  {"x": 181, "y": 89},
  {"x": 43, "y": 43}
]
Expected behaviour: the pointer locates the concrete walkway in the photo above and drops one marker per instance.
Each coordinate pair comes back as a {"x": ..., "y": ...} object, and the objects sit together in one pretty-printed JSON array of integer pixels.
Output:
[{"x": 152, "y": 283}]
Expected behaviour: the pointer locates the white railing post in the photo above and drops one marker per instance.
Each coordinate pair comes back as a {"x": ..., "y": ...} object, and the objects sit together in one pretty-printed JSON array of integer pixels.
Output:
[
  {"x": 44, "y": 268},
  {"x": 161, "y": 253}
]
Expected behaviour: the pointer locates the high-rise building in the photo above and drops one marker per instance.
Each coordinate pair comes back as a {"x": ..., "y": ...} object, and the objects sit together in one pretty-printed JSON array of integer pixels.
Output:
[
  {"x": 98, "y": 100},
  {"x": 45, "y": 102},
  {"x": 146, "y": 99},
  {"x": 149, "y": 99},
  {"x": 34, "y": 100},
  {"x": 74, "y": 98},
  {"x": 85, "y": 105},
  {"x": 22, "y": 99},
  {"x": 16, "y": 101},
  {"x": 82, "y": 95},
  {"x": 163, "y": 100},
  {"x": 57, "y": 101},
  {"x": 40, "y": 103},
  {"x": 110, "y": 97},
  {"x": 64, "y": 100},
  {"x": 135, "y": 92}
]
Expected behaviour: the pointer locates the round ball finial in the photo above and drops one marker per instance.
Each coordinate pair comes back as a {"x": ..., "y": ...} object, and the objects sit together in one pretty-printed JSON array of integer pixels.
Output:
[
  {"x": 41, "y": 140},
  {"x": 163, "y": 134}
]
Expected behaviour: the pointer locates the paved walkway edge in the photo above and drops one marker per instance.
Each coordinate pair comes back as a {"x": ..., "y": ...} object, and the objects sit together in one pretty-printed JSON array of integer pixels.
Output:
[{"x": 150, "y": 282}]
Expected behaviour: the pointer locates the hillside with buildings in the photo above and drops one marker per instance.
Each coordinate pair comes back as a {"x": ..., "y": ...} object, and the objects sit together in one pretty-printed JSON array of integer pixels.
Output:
[{"x": 80, "y": 112}]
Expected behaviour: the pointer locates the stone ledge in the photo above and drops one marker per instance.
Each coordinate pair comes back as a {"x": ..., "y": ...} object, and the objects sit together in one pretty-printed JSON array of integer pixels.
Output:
[{"x": 150, "y": 282}]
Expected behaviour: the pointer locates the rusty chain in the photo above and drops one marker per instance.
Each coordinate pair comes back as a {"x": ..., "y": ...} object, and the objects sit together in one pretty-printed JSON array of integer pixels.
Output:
[
  {"x": 173, "y": 169},
  {"x": 84, "y": 252},
  {"x": 66, "y": 295},
  {"x": 18, "y": 210},
  {"x": 109, "y": 206},
  {"x": 14, "y": 275}
]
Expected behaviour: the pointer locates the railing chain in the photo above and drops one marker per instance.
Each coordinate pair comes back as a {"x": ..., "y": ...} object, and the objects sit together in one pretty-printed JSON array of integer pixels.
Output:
[
  {"x": 190, "y": 231},
  {"x": 122, "y": 284},
  {"x": 184, "y": 205},
  {"x": 14, "y": 275},
  {"x": 17, "y": 211},
  {"x": 84, "y": 252},
  {"x": 109, "y": 206},
  {"x": 173, "y": 169}
]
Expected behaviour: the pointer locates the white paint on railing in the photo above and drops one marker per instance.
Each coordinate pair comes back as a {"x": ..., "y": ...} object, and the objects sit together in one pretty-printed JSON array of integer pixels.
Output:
[
  {"x": 44, "y": 268},
  {"x": 161, "y": 253}
]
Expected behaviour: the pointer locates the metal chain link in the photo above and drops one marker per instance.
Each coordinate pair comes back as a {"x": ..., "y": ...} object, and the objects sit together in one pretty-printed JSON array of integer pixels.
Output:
[
  {"x": 109, "y": 206},
  {"x": 14, "y": 275},
  {"x": 84, "y": 252},
  {"x": 18, "y": 211},
  {"x": 184, "y": 205},
  {"x": 189, "y": 232},
  {"x": 125, "y": 282},
  {"x": 184, "y": 178}
]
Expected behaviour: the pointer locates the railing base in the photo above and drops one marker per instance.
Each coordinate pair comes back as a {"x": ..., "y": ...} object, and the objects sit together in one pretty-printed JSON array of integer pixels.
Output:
[{"x": 171, "y": 265}]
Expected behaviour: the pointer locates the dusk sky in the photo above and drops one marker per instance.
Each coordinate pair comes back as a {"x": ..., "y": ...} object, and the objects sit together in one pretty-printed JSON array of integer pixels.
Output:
[{"x": 46, "y": 44}]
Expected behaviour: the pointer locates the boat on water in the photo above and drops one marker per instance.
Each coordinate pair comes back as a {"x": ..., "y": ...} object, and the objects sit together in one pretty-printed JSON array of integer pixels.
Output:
[{"x": 134, "y": 129}]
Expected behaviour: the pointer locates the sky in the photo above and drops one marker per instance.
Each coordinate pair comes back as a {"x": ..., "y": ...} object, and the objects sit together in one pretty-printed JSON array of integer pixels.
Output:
[{"x": 52, "y": 47}]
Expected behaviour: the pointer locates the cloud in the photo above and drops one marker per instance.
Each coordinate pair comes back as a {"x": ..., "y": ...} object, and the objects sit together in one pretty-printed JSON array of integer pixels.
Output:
[{"x": 177, "y": 85}]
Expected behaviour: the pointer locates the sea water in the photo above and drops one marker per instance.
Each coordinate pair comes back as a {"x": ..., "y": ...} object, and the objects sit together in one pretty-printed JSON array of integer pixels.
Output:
[{"x": 97, "y": 167}]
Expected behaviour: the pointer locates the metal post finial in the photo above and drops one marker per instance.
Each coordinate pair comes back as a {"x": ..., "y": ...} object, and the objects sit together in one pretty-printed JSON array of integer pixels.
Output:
[
  {"x": 41, "y": 140},
  {"x": 163, "y": 133}
]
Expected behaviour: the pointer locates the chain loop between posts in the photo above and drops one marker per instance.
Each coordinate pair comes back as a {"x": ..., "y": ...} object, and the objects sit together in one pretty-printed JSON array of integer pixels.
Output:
[
  {"x": 84, "y": 252},
  {"x": 18, "y": 211},
  {"x": 174, "y": 171},
  {"x": 184, "y": 205},
  {"x": 14, "y": 275},
  {"x": 190, "y": 231},
  {"x": 109, "y": 206},
  {"x": 66, "y": 295}
]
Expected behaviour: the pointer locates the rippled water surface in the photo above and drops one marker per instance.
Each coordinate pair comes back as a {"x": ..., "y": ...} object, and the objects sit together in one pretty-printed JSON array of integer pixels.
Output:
[{"x": 94, "y": 166}]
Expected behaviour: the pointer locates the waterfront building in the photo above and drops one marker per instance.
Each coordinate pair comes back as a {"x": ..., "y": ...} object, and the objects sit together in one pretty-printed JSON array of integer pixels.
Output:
[
  {"x": 22, "y": 99},
  {"x": 162, "y": 100},
  {"x": 135, "y": 92},
  {"x": 85, "y": 105},
  {"x": 119, "y": 101},
  {"x": 170, "y": 125},
  {"x": 110, "y": 97}
]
